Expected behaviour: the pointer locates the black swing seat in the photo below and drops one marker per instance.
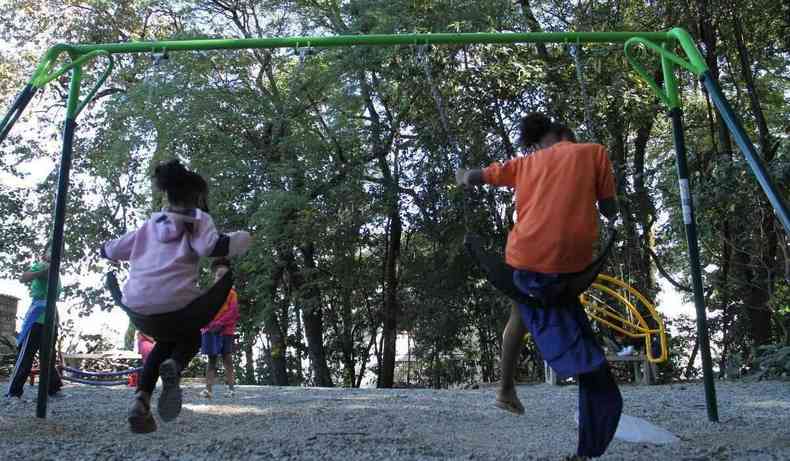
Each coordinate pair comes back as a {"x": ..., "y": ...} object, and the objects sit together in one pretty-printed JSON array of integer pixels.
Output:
[
  {"x": 563, "y": 293},
  {"x": 171, "y": 326}
]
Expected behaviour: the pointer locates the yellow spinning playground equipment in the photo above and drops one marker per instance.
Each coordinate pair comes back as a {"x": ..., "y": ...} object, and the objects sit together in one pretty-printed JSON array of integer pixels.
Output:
[{"x": 619, "y": 306}]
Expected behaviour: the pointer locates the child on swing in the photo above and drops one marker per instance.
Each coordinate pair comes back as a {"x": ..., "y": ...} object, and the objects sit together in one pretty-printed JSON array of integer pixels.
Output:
[
  {"x": 161, "y": 295},
  {"x": 557, "y": 188}
]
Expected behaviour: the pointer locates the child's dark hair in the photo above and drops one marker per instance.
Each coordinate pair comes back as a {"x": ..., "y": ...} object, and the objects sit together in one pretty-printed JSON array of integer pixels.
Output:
[
  {"x": 181, "y": 185},
  {"x": 535, "y": 126},
  {"x": 220, "y": 262}
]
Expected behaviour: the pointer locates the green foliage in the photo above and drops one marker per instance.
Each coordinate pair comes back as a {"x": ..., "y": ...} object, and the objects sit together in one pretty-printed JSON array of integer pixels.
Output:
[{"x": 773, "y": 362}]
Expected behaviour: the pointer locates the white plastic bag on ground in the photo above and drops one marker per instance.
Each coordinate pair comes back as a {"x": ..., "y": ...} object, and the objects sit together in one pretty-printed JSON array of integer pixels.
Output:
[{"x": 637, "y": 430}]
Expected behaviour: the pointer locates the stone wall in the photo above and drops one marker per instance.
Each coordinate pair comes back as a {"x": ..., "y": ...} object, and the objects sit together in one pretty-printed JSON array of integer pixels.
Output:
[{"x": 8, "y": 313}]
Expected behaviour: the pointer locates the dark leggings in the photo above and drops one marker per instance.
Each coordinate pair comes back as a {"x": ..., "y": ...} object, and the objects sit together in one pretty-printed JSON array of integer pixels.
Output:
[
  {"x": 181, "y": 351},
  {"x": 177, "y": 333}
]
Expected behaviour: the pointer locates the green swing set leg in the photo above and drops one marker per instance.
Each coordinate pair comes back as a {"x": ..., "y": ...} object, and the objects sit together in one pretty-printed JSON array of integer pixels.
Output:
[
  {"x": 689, "y": 221},
  {"x": 48, "y": 341}
]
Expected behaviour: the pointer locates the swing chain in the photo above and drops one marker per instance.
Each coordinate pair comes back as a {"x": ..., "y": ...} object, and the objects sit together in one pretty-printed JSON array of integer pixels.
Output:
[
  {"x": 424, "y": 59},
  {"x": 575, "y": 50},
  {"x": 157, "y": 58},
  {"x": 157, "y": 73},
  {"x": 303, "y": 52}
]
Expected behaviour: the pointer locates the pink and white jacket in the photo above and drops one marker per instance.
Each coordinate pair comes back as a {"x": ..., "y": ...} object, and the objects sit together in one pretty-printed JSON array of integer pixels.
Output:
[{"x": 164, "y": 254}]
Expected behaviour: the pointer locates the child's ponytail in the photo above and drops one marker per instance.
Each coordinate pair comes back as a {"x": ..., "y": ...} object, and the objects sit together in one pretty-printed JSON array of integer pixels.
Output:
[{"x": 182, "y": 186}]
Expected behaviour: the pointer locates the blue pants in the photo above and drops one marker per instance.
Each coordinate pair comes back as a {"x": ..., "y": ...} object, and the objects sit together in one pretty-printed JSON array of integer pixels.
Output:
[
  {"x": 568, "y": 344},
  {"x": 36, "y": 310},
  {"x": 27, "y": 350},
  {"x": 600, "y": 406}
]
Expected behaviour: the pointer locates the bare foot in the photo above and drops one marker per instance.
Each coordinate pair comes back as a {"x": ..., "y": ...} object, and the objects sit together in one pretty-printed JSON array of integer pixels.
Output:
[{"x": 508, "y": 401}]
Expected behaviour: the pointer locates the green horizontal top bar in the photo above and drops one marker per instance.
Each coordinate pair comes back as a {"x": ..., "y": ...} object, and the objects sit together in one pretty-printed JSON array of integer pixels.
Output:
[{"x": 369, "y": 40}]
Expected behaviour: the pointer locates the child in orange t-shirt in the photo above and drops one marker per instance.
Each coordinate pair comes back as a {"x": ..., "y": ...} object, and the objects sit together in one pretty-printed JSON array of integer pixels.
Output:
[{"x": 557, "y": 188}]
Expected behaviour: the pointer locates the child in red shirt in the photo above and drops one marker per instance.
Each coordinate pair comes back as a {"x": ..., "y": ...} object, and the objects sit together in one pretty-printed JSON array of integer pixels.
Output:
[{"x": 218, "y": 336}]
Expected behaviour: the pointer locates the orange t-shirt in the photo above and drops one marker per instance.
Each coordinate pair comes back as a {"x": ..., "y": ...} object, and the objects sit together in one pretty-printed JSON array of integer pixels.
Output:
[{"x": 556, "y": 192}]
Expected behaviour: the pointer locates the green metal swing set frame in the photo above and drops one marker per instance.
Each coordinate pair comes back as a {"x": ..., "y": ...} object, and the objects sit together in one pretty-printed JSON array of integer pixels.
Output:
[{"x": 662, "y": 44}]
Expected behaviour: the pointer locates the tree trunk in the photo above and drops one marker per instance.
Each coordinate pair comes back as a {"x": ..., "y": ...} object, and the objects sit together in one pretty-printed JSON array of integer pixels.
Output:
[
  {"x": 692, "y": 359},
  {"x": 347, "y": 343},
  {"x": 765, "y": 241},
  {"x": 249, "y": 366},
  {"x": 274, "y": 331},
  {"x": 408, "y": 360},
  {"x": 364, "y": 361},
  {"x": 619, "y": 157},
  {"x": 299, "y": 366},
  {"x": 312, "y": 315},
  {"x": 382, "y": 137},
  {"x": 390, "y": 308},
  {"x": 709, "y": 36},
  {"x": 645, "y": 212},
  {"x": 754, "y": 98},
  {"x": 759, "y": 314}
]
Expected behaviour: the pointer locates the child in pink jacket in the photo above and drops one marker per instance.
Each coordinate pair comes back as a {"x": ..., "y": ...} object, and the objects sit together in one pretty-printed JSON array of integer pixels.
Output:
[
  {"x": 161, "y": 295},
  {"x": 218, "y": 336}
]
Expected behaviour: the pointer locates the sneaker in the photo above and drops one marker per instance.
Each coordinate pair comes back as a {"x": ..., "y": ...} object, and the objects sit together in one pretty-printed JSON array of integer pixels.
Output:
[
  {"x": 170, "y": 399},
  {"x": 230, "y": 393},
  {"x": 141, "y": 421},
  {"x": 206, "y": 393}
]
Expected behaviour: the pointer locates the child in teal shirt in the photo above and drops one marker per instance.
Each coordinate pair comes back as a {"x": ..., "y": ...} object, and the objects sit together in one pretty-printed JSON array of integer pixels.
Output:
[{"x": 32, "y": 332}]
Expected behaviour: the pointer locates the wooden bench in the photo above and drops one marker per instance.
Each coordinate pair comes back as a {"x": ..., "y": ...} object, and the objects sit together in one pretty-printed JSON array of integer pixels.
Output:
[{"x": 644, "y": 371}]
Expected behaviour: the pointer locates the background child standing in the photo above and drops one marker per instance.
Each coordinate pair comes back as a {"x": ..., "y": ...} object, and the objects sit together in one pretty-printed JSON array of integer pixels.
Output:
[
  {"x": 32, "y": 332},
  {"x": 218, "y": 336}
]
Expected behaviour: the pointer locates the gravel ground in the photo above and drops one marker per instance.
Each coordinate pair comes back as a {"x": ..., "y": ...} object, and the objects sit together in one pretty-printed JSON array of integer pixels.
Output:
[{"x": 372, "y": 424}]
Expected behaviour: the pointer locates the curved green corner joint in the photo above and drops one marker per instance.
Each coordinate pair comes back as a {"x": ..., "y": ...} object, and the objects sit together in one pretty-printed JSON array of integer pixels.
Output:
[
  {"x": 695, "y": 64},
  {"x": 44, "y": 74},
  {"x": 699, "y": 66},
  {"x": 44, "y": 68}
]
